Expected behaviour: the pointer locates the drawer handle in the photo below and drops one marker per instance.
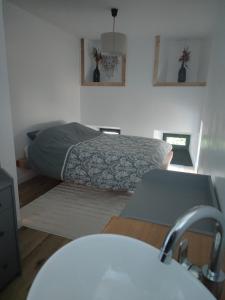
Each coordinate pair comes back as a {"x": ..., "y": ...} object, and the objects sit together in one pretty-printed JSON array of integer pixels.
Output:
[
  {"x": 2, "y": 233},
  {"x": 5, "y": 266}
]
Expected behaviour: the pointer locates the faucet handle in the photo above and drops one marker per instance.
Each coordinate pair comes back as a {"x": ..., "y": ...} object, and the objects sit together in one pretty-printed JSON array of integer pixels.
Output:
[{"x": 183, "y": 254}]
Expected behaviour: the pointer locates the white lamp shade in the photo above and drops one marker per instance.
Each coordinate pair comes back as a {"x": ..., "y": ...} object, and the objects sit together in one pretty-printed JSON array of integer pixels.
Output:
[{"x": 113, "y": 43}]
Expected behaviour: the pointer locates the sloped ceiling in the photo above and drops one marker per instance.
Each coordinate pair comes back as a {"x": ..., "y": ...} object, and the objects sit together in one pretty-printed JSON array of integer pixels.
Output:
[{"x": 89, "y": 18}]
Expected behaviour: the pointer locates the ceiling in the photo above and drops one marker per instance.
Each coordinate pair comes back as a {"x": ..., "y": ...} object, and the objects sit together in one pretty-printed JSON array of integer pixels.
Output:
[{"x": 89, "y": 18}]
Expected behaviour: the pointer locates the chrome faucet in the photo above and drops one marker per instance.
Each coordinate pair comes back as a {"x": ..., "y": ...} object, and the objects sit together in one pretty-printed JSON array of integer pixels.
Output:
[{"x": 211, "y": 275}]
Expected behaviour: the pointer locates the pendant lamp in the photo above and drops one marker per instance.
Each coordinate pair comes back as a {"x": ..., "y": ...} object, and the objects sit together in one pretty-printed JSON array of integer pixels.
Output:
[{"x": 113, "y": 43}]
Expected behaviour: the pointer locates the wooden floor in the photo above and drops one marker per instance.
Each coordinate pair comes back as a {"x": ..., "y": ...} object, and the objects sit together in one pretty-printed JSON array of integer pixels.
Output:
[
  {"x": 35, "y": 187},
  {"x": 35, "y": 246}
]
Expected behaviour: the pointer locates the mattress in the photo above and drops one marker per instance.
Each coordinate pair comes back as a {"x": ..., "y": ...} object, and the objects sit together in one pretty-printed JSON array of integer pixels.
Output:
[{"x": 75, "y": 153}]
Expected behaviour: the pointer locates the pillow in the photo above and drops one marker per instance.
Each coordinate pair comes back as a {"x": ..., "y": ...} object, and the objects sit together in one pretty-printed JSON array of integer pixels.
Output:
[{"x": 33, "y": 134}]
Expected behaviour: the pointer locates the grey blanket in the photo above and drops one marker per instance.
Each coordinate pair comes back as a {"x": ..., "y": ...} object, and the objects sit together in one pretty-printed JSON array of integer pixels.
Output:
[
  {"x": 47, "y": 152},
  {"x": 73, "y": 152}
]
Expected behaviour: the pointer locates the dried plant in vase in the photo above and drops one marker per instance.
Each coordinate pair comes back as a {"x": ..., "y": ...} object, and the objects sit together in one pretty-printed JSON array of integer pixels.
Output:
[
  {"x": 98, "y": 59},
  {"x": 184, "y": 59}
]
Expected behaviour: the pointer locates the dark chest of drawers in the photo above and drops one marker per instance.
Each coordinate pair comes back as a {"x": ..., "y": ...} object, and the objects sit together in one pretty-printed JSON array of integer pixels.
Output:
[{"x": 9, "y": 250}]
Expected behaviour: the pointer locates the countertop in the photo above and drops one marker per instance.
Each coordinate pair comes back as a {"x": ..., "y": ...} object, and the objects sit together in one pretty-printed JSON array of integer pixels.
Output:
[{"x": 199, "y": 244}]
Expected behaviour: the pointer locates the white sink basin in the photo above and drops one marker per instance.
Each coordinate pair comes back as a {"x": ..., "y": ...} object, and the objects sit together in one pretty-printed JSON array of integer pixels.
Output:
[{"x": 113, "y": 267}]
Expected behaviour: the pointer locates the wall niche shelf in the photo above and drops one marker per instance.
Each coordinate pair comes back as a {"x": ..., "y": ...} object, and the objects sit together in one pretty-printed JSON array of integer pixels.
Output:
[
  {"x": 112, "y": 77},
  {"x": 167, "y": 64}
]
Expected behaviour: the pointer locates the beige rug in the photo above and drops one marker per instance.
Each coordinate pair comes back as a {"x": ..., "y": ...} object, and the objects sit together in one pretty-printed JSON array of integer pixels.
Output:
[{"x": 71, "y": 210}]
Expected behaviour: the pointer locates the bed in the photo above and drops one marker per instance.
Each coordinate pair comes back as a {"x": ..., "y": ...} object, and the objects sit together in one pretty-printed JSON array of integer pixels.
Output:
[{"x": 73, "y": 152}]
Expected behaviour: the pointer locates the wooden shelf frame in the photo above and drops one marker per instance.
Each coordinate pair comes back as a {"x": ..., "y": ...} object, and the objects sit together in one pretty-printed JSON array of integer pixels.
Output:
[
  {"x": 121, "y": 83},
  {"x": 181, "y": 84},
  {"x": 158, "y": 83}
]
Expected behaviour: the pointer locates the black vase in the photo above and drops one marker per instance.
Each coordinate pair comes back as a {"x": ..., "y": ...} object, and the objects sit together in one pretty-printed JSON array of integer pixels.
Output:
[
  {"x": 182, "y": 73},
  {"x": 96, "y": 74}
]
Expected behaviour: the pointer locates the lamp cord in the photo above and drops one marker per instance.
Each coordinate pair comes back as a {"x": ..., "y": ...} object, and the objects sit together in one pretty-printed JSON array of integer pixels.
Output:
[{"x": 113, "y": 24}]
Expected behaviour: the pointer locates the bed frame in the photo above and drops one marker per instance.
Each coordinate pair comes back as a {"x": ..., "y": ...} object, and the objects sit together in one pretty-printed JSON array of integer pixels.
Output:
[{"x": 22, "y": 163}]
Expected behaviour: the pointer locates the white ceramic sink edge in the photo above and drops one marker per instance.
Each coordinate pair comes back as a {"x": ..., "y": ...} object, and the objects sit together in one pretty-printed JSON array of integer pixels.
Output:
[{"x": 113, "y": 267}]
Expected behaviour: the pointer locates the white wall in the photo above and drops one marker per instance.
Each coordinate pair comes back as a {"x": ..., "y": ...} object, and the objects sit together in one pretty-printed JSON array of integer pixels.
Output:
[
  {"x": 43, "y": 64},
  {"x": 7, "y": 154},
  {"x": 139, "y": 108},
  {"x": 212, "y": 156}
]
